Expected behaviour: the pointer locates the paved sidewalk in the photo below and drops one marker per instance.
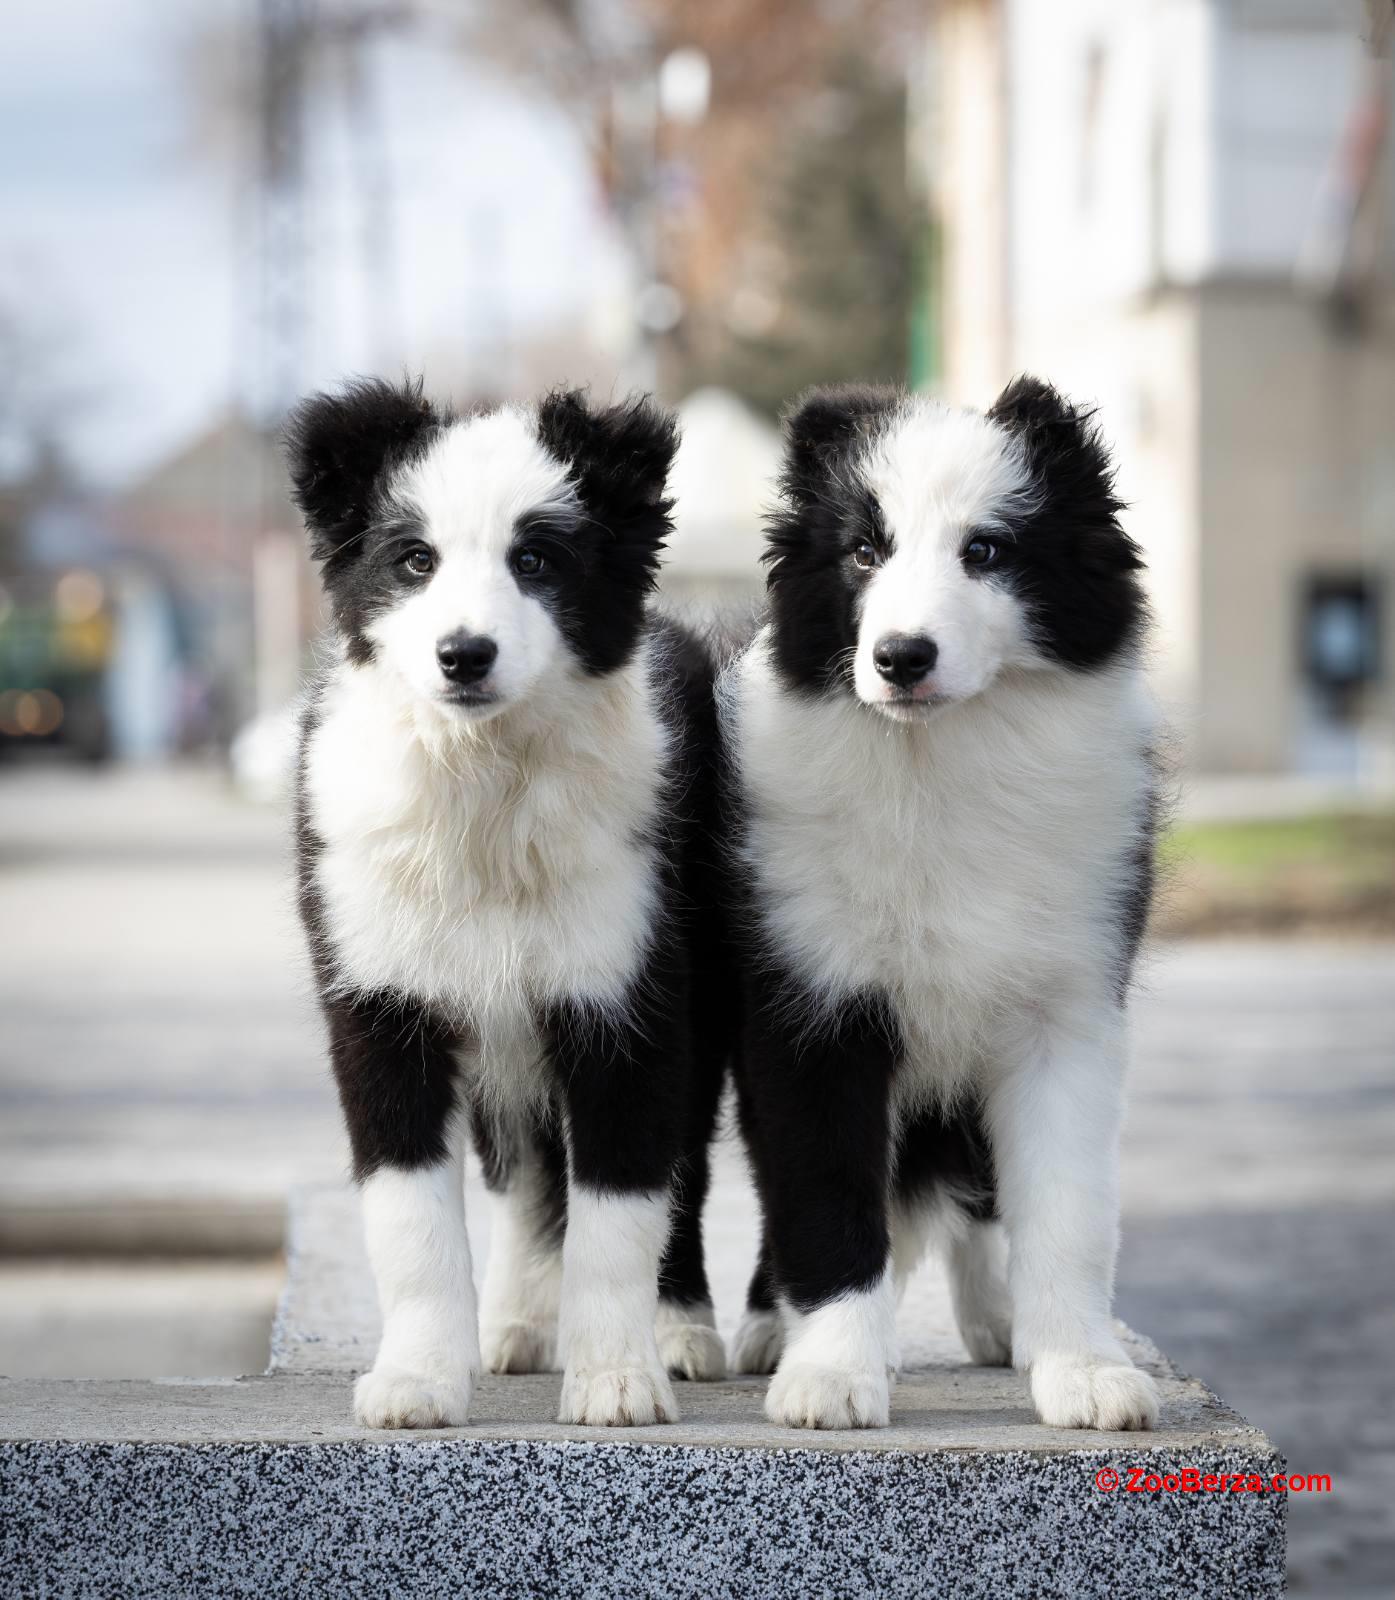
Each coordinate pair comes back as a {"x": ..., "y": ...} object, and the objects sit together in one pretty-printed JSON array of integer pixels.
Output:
[{"x": 160, "y": 1055}]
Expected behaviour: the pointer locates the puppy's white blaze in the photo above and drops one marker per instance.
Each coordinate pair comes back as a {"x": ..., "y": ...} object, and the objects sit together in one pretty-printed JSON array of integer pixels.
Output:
[
  {"x": 468, "y": 492},
  {"x": 522, "y": 1291},
  {"x": 414, "y": 1227},
  {"x": 838, "y": 1362},
  {"x": 479, "y": 477},
  {"x": 489, "y": 869},
  {"x": 610, "y": 1298},
  {"x": 937, "y": 474},
  {"x": 935, "y": 468}
]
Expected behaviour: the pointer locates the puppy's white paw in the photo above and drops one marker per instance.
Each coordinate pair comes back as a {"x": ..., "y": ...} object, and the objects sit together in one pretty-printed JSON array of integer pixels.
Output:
[
  {"x": 1073, "y": 1393},
  {"x": 989, "y": 1343},
  {"x": 760, "y": 1341},
  {"x": 387, "y": 1397},
  {"x": 828, "y": 1397},
  {"x": 622, "y": 1397},
  {"x": 520, "y": 1347},
  {"x": 692, "y": 1350}
]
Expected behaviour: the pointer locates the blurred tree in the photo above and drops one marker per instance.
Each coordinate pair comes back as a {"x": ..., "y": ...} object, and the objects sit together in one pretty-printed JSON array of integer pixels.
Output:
[
  {"x": 834, "y": 301},
  {"x": 782, "y": 218}
]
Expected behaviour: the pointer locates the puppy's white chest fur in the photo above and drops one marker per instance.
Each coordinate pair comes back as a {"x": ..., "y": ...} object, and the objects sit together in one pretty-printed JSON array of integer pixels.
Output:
[
  {"x": 487, "y": 869},
  {"x": 970, "y": 867}
]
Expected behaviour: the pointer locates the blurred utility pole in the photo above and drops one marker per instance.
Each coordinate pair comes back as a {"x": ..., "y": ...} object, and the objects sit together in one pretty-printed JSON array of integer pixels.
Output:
[
  {"x": 283, "y": 37},
  {"x": 292, "y": 37}
]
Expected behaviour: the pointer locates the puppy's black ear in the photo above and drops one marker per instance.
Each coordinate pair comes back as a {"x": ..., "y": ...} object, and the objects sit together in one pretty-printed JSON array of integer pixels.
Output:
[
  {"x": 620, "y": 455},
  {"x": 822, "y": 426},
  {"x": 619, "y": 458},
  {"x": 1029, "y": 402},
  {"x": 1071, "y": 466},
  {"x": 339, "y": 445}
]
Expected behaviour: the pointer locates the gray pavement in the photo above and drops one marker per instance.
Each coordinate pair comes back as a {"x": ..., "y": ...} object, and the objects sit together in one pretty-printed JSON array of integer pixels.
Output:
[{"x": 160, "y": 1068}]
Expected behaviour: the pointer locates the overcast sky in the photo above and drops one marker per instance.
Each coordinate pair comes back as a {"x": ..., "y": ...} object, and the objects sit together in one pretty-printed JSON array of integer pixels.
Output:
[{"x": 123, "y": 243}]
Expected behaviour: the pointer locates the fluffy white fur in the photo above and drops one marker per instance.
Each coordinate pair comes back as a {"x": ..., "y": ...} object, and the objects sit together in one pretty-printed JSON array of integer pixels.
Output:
[
  {"x": 613, "y": 1375},
  {"x": 838, "y": 1363},
  {"x": 414, "y": 1224},
  {"x": 868, "y": 839}
]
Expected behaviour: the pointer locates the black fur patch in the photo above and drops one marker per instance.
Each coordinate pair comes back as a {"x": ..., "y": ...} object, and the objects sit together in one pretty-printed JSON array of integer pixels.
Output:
[
  {"x": 816, "y": 1113},
  {"x": 619, "y": 459},
  {"x": 812, "y": 583},
  {"x": 947, "y": 1150},
  {"x": 342, "y": 449}
]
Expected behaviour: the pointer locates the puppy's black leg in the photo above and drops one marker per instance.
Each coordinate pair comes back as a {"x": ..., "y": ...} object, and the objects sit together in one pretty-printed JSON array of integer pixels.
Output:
[
  {"x": 525, "y": 1169},
  {"x": 689, "y": 1345},
  {"x": 818, "y": 1098},
  {"x": 944, "y": 1175},
  {"x": 621, "y": 1079},
  {"x": 397, "y": 1074}
]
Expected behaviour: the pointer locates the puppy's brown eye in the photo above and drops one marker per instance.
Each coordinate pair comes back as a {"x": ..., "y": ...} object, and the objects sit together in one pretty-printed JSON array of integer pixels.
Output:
[
  {"x": 980, "y": 553},
  {"x": 865, "y": 555},
  {"x": 527, "y": 563},
  {"x": 419, "y": 562}
]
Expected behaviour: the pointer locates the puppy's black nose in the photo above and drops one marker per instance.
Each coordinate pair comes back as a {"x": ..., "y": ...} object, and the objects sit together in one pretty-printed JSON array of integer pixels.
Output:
[
  {"x": 904, "y": 658},
  {"x": 466, "y": 657}
]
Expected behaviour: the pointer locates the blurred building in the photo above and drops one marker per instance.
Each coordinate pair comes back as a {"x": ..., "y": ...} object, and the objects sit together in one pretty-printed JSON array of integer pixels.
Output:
[
  {"x": 1185, "y": 211},
  {"x": 218, "y": 514}
]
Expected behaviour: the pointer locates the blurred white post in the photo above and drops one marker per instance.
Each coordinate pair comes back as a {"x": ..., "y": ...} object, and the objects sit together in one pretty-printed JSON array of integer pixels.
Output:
[{"x": 276, "y": 619}]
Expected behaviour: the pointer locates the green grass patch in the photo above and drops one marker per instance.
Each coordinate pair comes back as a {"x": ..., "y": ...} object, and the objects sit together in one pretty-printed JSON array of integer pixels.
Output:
[
  {"x": 1353, "y": 843},
  {"x": 1309, "y": 874}
]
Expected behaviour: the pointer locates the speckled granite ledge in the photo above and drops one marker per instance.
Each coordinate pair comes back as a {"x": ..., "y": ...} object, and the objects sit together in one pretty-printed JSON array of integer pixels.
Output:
[{"x": 263, "y": 1487}]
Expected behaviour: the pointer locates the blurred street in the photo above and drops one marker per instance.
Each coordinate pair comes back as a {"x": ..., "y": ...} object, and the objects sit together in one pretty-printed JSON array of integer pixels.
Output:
[{"x": 161, "y": 1079}]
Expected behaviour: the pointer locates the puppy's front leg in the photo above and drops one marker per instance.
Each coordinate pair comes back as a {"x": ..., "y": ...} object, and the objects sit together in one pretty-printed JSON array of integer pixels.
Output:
[
  {"x": 622, "y": 1130},
  {"x": 397, "y": 1077},
  {"x": 1054, "y": 1112},
  {"x": 818, "y": 1116}
]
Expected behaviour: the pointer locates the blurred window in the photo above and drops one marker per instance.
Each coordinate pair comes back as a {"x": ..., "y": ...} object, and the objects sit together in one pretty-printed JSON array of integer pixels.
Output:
[{"x": 1341, "y": 632}]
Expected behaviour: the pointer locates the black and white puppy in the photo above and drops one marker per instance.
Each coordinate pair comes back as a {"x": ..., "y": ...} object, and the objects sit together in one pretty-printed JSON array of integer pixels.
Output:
[
  {"x": 942, "y": 775},
  {"x": 505, "y": 778}
]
